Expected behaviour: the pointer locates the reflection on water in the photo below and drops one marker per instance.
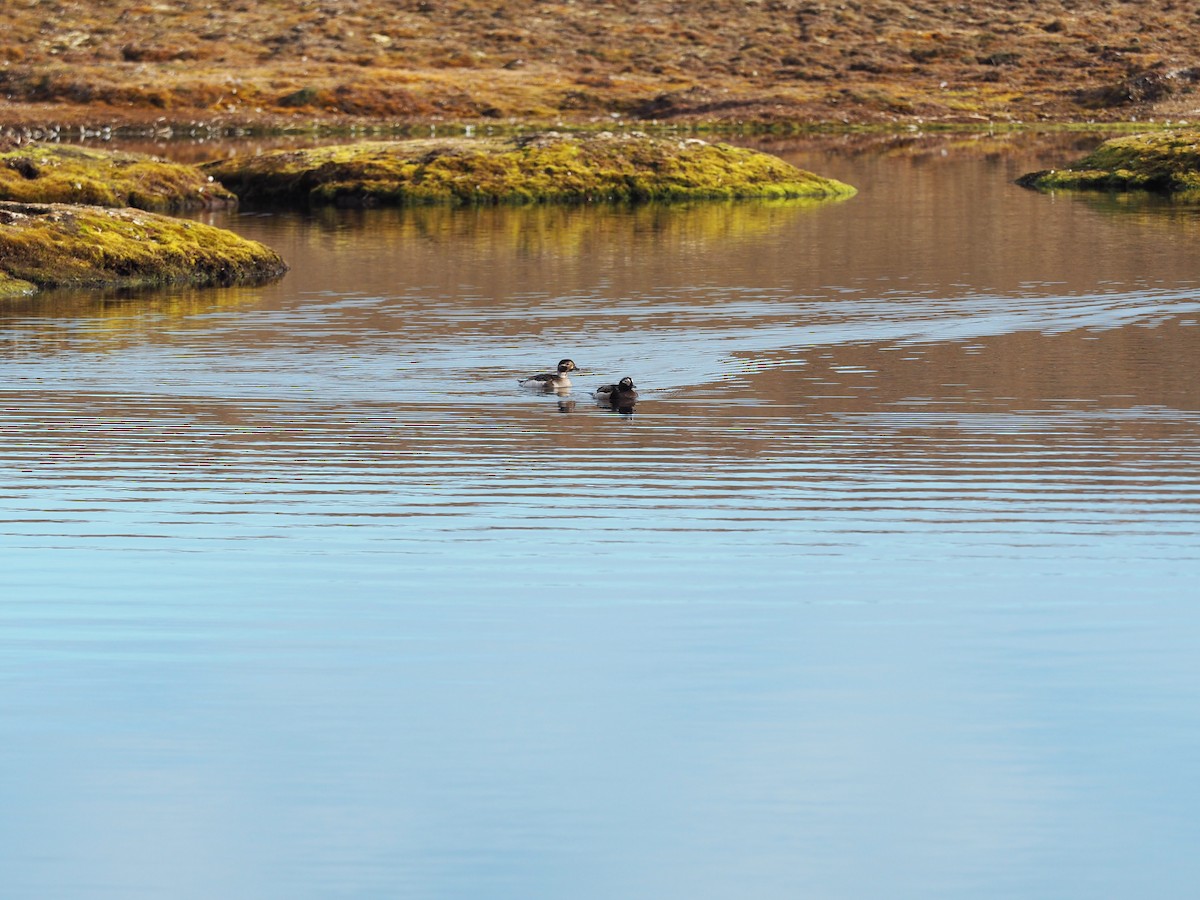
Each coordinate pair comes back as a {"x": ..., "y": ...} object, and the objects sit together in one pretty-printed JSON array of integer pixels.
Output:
[{"x": 886, "y": 582}]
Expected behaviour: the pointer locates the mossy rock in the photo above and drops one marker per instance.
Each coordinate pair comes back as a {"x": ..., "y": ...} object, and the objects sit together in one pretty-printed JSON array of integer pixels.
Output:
[
  {"x": 59, "y": 245},
  {"x": 544, "y": 168},
  {"x": 15, "y": 287},
  {"x": 1165, "y": 162},
  {"x": 54, "y": 173}
]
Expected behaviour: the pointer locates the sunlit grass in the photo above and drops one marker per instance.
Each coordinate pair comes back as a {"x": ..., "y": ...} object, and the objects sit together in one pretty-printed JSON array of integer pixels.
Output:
[
  {"x": 546, "y": 168},
  {"x": 52, "y": 245}
]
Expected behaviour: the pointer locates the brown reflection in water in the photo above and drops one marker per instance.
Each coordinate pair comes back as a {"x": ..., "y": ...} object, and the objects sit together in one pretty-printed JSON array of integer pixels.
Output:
[
  {"x": 1064, "y": 408},
  {"x": 1100, "y": 375},
  {"x": 1077, "y": 432},
  {"x": 501, "y": 258},
  {"x": 1118, "y": 368},
  {"x": 1173, "y": 218},
  {"x": 935, "y": 213},
  {"x": 112, "y": 318},
  {"x": 936, "y": 217},
  {"x": 944, "y": 231}
]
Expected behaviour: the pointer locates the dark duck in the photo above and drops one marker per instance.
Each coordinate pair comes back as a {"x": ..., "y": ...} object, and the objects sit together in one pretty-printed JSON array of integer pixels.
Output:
[{"x": 621, "y": 395}]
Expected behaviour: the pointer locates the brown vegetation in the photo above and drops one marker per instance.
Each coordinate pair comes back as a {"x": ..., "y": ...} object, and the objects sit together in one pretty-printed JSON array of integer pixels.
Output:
[{"x": 409, "y": 63}]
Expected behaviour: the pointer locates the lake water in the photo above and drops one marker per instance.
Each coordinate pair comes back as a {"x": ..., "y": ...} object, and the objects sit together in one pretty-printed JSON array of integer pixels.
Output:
[{"x": 886, "y": 588}]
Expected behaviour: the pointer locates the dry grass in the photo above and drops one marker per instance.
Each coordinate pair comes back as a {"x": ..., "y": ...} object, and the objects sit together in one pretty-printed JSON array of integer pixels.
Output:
[{"x": 299, "y": 63}]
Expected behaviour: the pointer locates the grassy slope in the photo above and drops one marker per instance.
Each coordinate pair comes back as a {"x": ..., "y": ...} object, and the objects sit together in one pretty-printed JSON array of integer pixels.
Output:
[{"x": 420, "y": 61}]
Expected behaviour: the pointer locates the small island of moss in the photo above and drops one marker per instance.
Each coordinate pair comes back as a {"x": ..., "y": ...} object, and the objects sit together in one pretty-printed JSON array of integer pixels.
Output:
[
  {"x": 53, "y": 173},
  {"x": 542, "y": 168},
  {"x": 1163, "y": 162},
  {"x": 59, "y": 245}
]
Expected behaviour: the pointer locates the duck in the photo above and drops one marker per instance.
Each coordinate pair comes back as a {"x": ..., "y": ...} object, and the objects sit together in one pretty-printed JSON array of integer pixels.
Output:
[
  {"x": 621, "y": 395},
  {"x": 552, "y": 380}
]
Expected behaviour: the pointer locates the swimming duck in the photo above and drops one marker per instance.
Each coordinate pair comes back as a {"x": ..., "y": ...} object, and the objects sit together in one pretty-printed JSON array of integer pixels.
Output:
[
  {"x": 621, "y": 395},
  {"x": 552, "y": 380}
]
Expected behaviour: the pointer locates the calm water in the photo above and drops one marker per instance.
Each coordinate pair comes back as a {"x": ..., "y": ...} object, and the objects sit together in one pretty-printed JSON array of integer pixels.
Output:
[{"x": 886, "y": 588}]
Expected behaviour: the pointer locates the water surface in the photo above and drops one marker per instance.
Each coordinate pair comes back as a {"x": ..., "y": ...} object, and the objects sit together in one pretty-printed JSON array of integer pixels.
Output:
[{"x": 885, "y": 588}]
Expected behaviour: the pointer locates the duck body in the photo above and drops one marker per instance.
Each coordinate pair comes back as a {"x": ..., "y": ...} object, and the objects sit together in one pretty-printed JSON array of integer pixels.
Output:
[
  {"x": 621, "y": 395},
  {"x": 551, "y": 380}
]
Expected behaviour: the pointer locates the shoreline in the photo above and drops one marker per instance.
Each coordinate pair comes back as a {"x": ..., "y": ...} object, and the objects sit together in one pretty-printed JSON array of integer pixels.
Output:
[{"x": 82, "y": 128}]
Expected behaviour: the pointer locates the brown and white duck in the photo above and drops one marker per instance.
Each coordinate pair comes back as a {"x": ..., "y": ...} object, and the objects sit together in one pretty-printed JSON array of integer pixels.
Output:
[{"x": 551, "y": 380}]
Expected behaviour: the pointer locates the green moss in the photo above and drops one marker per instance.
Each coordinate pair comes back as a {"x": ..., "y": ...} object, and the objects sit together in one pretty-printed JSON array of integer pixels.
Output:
[
  {"x": 1166, "y": 162},
  {"x": 15, "y": 287},
  {"x": 545, "y": 168},
  {"x": 54, "y": 245},
  {"x": 65, "y": 174}
]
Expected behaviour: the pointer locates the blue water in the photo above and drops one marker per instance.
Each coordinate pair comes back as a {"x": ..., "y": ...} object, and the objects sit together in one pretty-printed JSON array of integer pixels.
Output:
[{"x": 886, "y": 587}]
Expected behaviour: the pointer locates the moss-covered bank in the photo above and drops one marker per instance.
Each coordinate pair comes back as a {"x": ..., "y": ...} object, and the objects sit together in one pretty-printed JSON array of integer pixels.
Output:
[
  {"x": 545, "y": 168},
  {"x": 52, "y": 173},
  {"x": 1166, "y": 162},
  {"x": 58, "y": 245},
  {"x": 15, "y": 287}
]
